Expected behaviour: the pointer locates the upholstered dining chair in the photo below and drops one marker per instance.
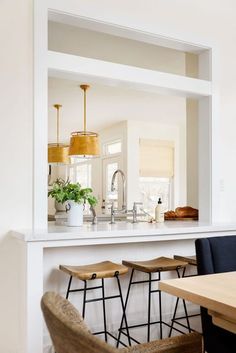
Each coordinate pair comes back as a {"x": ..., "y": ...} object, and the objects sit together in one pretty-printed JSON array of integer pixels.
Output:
[
  {"x": 215, "y": 255},
  {"x": 69, "y": 333}
]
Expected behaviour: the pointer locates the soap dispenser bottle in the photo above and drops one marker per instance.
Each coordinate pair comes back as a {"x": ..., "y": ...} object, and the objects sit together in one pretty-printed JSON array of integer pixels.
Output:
[{"x": 159, "y": 212}]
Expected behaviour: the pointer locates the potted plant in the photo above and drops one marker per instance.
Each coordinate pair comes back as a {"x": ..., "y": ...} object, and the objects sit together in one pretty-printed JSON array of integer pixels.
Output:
[{"x": 73, "y": 197}]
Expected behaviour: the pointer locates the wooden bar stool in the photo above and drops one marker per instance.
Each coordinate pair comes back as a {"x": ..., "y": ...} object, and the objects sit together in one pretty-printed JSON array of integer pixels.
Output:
[
  {"x": 158, "y": 265},
  {"x": 101, "y": 271},
  {"x": 192, "y": 261}
]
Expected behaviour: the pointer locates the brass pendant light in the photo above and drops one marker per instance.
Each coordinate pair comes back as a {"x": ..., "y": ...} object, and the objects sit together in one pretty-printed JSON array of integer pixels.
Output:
[
  {"x": 84, "y": 144},
  {"x": 58, "y": 152}
]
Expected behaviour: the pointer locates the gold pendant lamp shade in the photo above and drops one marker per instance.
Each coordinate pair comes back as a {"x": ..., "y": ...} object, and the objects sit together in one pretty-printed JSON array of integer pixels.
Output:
[
  {"x": 84, "y": 144},
  {"x": 58, "y": 152}
]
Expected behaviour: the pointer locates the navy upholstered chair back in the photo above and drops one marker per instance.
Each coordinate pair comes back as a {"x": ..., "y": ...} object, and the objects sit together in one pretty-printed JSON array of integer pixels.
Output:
[{"x": 215, "y": 255}]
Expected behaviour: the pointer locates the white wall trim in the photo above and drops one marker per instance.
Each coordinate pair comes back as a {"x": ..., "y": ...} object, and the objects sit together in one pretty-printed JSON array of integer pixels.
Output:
[{"x": 74, "y": 67}]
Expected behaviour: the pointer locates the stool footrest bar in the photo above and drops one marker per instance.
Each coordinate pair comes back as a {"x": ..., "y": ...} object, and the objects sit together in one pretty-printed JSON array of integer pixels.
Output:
[
  {"x": 109, "y": 334},
  {"x": 99, "y": 299}
]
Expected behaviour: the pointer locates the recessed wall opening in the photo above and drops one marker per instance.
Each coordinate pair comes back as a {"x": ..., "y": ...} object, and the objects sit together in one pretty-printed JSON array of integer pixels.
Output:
[
  {"x": 154, "y": 92},
  {"x": 97, "y": 45},
  {"x": 131, "y": 123}
]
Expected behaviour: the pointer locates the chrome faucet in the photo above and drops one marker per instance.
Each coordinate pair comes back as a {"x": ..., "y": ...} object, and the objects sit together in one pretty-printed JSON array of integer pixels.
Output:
[
  {"x": 124, "y": 188},
  {"x": 134, "y": 211},
  {"x": 112, "y": 214},
  {"x": 123, "y": 209},
  {"x": 94, "y": 220}
]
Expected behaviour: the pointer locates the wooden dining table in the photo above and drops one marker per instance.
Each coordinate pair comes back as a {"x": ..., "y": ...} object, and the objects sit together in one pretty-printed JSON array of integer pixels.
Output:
[{"x": 215, "y": 292}]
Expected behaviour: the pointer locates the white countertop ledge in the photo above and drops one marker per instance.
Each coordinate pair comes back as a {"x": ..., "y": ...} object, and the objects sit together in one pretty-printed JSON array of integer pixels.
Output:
[{"x": 124, "y": 232}]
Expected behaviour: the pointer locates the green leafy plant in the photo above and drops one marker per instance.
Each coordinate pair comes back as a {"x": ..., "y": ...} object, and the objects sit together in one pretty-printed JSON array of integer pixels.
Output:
[{"x": 63, "y": 191}]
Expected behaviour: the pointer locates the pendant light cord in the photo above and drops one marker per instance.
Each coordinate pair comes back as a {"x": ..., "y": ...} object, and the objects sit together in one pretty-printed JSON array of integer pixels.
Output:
[
  {"x": 84, "y": 88},
  {"x": 58, "y": 127},
  {"x": 58, "y": 106},
  {"x": 85, "y": 112}
]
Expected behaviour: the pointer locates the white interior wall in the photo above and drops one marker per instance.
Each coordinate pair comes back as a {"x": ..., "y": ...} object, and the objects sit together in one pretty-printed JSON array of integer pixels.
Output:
[
  {"x": 87, "y": 43},
  {"x": 192, "y": 136},
  {"x": 106, "y": 106},
  {"x": 192, "y": 152},
  {"x": 16, "y": 144}
]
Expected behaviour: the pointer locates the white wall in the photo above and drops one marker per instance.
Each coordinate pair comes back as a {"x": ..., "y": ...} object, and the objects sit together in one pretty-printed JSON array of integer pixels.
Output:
[
  {"x": 192, "y": 152},
  {"x": 15, "y": 155},
  {"x": 192, "y": 137},
  {"x": 106, "y": 106},
  {"x": 87, "y": 43}
]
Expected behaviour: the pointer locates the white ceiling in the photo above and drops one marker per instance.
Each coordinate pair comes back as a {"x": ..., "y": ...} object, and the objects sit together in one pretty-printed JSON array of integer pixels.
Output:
[{"x": 109, "y": 105}]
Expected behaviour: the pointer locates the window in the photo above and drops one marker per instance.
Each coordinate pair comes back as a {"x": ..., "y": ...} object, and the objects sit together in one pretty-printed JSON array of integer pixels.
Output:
[
  {"x": 151, "y": 188},
  {"x": 112, "y": 147},
  {"x": 81, "y": 173},
  {"x": 156, "y": 172},
  {"x": 156, "y": 158}
]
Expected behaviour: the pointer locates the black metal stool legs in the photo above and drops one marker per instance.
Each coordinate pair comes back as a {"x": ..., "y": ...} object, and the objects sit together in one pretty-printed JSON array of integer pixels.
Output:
[
  {"x": 68, "y": 288},
  {"x": 149, "y": 306},
  {"x": 103, "y": 299},
  {"x": 160, "y": 310},
  {"x": 174, "y": 319},
  {"x": 124, "y": 312},
  {"x": 104, "y": 310},
  {"x": 148, "y": 323},
  {"x": 84, "y": 300}
]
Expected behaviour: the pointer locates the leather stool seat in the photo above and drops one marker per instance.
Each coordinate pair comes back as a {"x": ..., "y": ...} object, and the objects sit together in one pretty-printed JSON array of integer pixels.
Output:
[
  {"x": 191, "y": 260},
  {"x": 105, "y": 269},
  {"x": 158, "y": 264}
]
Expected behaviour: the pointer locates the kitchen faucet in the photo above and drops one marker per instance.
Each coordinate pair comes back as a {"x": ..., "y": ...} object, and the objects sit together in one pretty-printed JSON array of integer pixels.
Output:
[
  {"x": 123, "y": 208},
  {"x": 124, "y": 187},
  {"x": 94, "y": 220}
]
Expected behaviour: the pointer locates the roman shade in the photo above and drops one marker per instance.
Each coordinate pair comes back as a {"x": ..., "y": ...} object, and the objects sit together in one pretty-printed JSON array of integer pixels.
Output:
[{"x": 156, "y": 158}]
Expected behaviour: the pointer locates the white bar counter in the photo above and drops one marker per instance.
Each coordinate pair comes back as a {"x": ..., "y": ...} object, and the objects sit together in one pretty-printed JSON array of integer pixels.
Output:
[
  {"x": 122, "y": 232},
  {"x": 41, "y": 252}
]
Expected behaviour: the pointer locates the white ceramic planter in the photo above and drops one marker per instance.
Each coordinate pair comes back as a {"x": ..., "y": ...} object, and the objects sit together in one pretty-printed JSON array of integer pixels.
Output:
[{"x": 75, "y": 214}]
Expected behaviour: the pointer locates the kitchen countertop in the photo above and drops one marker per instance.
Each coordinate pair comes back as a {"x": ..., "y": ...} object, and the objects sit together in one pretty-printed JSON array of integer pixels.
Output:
[{"x": 121, "y": 232}]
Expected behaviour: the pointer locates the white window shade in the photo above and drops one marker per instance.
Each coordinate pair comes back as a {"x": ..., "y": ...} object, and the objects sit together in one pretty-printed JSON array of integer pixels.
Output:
[{"x": 156, "y": 158}]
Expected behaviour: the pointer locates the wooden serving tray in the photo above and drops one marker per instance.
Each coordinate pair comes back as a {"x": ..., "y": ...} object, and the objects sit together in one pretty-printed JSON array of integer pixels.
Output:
[{"x": 182, "y": 219}]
